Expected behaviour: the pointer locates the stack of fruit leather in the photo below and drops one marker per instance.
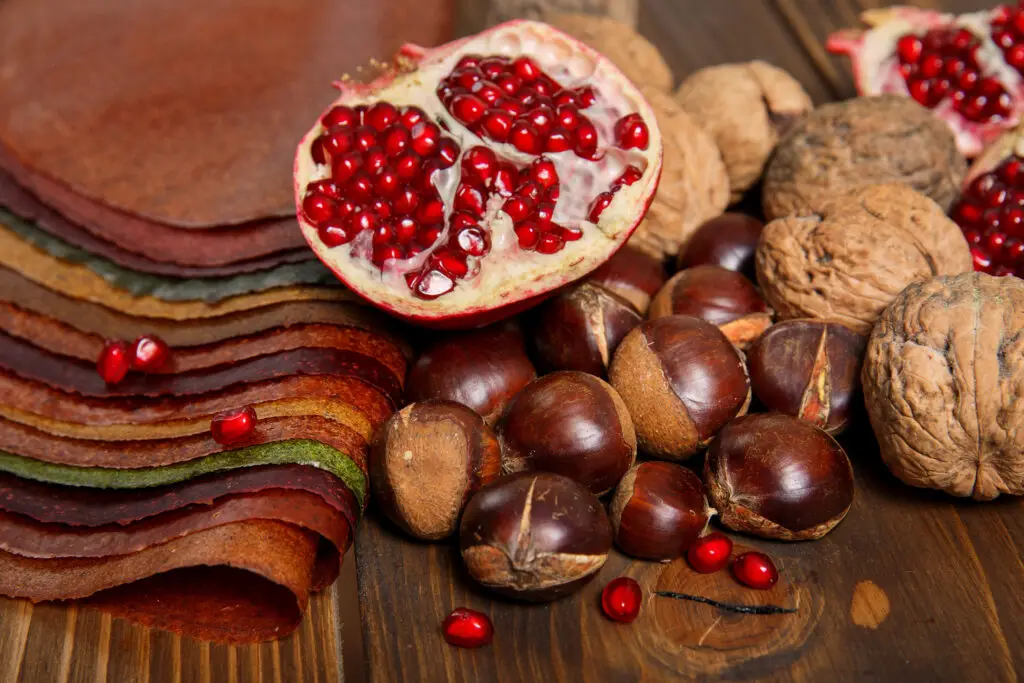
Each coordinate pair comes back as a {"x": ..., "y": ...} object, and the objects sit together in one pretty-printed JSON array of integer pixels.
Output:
[{"x": 145, "y": 189}]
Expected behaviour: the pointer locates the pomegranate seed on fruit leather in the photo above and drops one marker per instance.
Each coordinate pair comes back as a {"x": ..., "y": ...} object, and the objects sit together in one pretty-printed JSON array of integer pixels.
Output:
[{"x": 232, "y": 426}]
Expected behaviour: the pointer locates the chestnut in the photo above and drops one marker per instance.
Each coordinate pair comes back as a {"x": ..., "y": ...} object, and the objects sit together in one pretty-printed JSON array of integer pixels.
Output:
[
  {"x": 481, "y": 369},
  {"x": 681, "y": 380},
  {"x": 534, "y": 536},
  {"x": 633, "y": 274},
  {"x": 809, "y": 369},
  {"x": 570, "y": 423},
  {"x": 722, "y": 297},
  {"x": 425, "y": 462},
  {"x": 775, "y": 476},
  {"x": 658, "y": 511},
  {"x": 729, "y": 241},
  {"x": 580, "y": 328}
]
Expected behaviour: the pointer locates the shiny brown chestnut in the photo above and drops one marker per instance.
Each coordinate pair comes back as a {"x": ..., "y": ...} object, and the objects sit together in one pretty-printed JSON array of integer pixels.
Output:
[
  {"x": 425, "y": 462},
  {"x": 729, "y": 241},
  {"x": 658, "y": 511},
  {"x": 722, "y": 297},
  {"x": 570, "y": 423},
  {"x": 580, "y": 328},
  {"x": 534, "y": 536},
  {"x": 681, "y": 380},
  {"x": 809, "y": 369},
  {"x": 775, "y": 476},
  {"x": 482, "y": 369},
  {"x": 632, "y": 274}
]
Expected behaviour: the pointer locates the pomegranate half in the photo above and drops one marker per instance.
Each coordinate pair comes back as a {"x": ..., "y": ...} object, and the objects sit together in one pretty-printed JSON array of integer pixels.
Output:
[
  {"x": 967, "y": 68},
  {"x": 471, "y": 180}
]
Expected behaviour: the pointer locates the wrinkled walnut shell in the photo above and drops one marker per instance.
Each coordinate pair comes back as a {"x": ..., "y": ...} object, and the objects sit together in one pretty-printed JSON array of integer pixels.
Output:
[
  {"x": 845, "y": 146},
  {"x": 633, "y": 54},
  {"x": 694, "y": 185},
  {"x": 943, "y": 385},
  {"x": 745, "y": 108},
  {"x": 849, "y": 261}
]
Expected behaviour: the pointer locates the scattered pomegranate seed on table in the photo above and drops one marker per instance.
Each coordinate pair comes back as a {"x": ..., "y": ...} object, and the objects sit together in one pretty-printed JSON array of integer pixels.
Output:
[
  {"x": 114, "y": 361},
  {"x": 710, "y": 553},
  {"x": 233, "y": 426},
  {"x": 465, "y": 627},
  {"x": 755, "y": 570},
  {"x": 621, "y": 599},
  {"x": 150, "y": 353}
]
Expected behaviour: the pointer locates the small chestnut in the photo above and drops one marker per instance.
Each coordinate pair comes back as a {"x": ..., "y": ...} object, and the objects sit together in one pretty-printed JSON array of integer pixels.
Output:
[
  {"x": 729, "y": 241},
  {"x": 580, "y": 328},
  {"x": 681, "y": 380},
  {"x": 632, "y": 274},
  {"x": 425, "y": 462},
  {"x": 722, "y": 297},
  {"x": 570, "y": 423},
  {"x": 481, "y": 369},
  {"x": 809, "y": 369},
  {"x": 534, "y": 536},
  {"x": 658, "y": 511},
  {"x": 775, "y": 476}
]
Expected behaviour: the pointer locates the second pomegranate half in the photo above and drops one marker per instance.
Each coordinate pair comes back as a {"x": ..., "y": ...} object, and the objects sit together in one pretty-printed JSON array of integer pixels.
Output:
[{"x": 473, "y": 179}]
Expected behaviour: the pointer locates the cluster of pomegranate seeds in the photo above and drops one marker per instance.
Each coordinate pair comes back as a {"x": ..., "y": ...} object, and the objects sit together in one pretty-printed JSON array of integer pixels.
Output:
[
  {"x": 233, "y": 426},
  {"x": 991, "y": 214},
  {"x": 621, "y": 599},
  {"x": 1008, "y": 34},
  {"x": 943, "y": 63},
  {"x": 465, "y": 627},
  {"x": 148, "y": 354}
]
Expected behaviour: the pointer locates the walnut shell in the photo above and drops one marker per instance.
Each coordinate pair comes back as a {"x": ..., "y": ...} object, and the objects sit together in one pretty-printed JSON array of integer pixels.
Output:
[
  {"x": 694, "y": 184},
  {"x": 943, "y": 382},
  {"x": 631, "y": 52},
  {"x": 745, "y": 107},
  {"x": 849, "y": 261},
  {"x": 846, "y": 145}
]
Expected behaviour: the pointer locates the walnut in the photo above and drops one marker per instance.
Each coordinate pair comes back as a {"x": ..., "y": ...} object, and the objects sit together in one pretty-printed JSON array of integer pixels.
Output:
[
  {"x": 944, "y": 381},
  {"x": 745, "y": 107},
  {"x": 846, "y": 145},
  {"x": 694, "y": 185},
  {"x": 849, "y": 261},
  {"x": 631, "y": 52}
]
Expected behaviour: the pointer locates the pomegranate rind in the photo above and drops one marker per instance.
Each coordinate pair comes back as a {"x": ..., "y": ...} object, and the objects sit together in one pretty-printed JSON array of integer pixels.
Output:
[
  {"x": 503, "y": 286},
  {"x": 873, "y": 60}
]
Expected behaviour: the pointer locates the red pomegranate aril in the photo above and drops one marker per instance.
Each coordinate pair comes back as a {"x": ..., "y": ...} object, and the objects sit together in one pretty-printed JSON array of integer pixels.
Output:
[
  {"x": 363, "y": 219},
  {"x": 433, "y": 284},
  {"x": 429, "y": 235},
  {"x": 471, "y": 199},
  {"x": 525, "y": 138},
  {"x": 558, "y": 140},
  {"x": 1014, "y": 252},
  {"x": 920, "y": 90},
  {"x": 994, "y": 244},
  {"x": 940, "y": 88},
  {"x": 493, "y": 67},
  {"x": 621, "y": 599},
  {"x": 542, "y": 171},
  {"x": 410, "y": 116},
  {"x": 365, "y": 138},
  {"x": 530, "y": 190},
  {"x": 114, "y": 361},
  {"x": 395, "y": 141},
  {"x": 425, "y": 136},
  {"x": 909, "y": 48},
  {"x": 479, "y": 163},
  {"x": 468, "y": 61},
  {"x": 233, "y": 426},
  {"x": 386, "y": 252},
  {"x": 512, "y": 106},
  {"x": 325, "y": 187},
  {"x": 340, "y": 117},
  {"x": 346, "y": 207},
  {"x": 1015, "y": 56},
  {"x": 982, "y": 260},
  {"x": 710, "y": 553},
  {"x": 544, "y": 212},
  {"x": 467, "y": 78},
  {"x": 567, "y": 117},
  {"x": 468, "y": 108},
  {"x": 408, "y": 167},
  {"x": 968, "y": 79},
  {"x": 467, "y": 628},
  {"x": 497, "y": 123},
  {"x": 509, "y": 83},
  {"x": 586, "y": 137},
  {"x": 541, "y": 117},
  {"x": 570, "y": 234},
  {"x": 360, "y": 188},
  {"x": 528, "y": 233},
  {"x": 549, "y": 243},
  {"x": 631, "y": 132},
  {"x": 406, "y": 201},
  {"x": 405, "y": 230},
  {"x": 586, "y": 96},
  {"x": 336, "y": 143},
  {"x": 487, "y": 91},
  {"x": 600, "y": 204},
  {"x": 451, "y": 263},
  {"x": 473, "y": 241},
  {"x": 426, "y": 178},
  {"x": 526, "y": 69},
  {"x": 463, "y": 219},
  {"x": 996, "y": 196},
  {"x": 564, "y": 98},
  {"x": 150, "y": 353},
  {"x": 755, "y": 570},
  {"x": 505, "y": 178},
  {"x": 388, "y": 183},
  {"x": 430, "y": 212},
  {"x": 630, "y": 176},
  {"x": 518, "y": 208},
  {"x": 318, "y": 208},
  {"x": 447, "y": 153},
  {"x": 336, "y": 232},
  {"x": 374, "y": 160},
  {"x": 380, "y": 115},
  {"x": 383, "y": 233}
]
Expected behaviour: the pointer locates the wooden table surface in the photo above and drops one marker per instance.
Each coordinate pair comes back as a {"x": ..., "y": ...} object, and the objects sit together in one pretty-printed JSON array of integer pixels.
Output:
[{"x": 913, "y": 586}]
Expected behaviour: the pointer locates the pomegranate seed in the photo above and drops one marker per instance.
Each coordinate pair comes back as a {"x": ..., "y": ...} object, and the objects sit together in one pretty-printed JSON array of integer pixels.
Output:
[
  {"x": 1004, "y": 39},
  {"x": 479, "y": 163},
  {"x": 973, "y": 237},
  {"x": 410, "y": 116},
  {"x": 982, "y": 261},
  {"x": 408, "y": 166},
  {"x": 994, "y": 243},
  {"x": 340, "y": 117},
  {"x": 446, "y": 93},
  {"x": 114, "y": 361},
  {"x": 991, "y": 220},
  {"x": 1009, "y": 170},
  {"x": 318, "y": 208},
  {"x": 996, "y": 196},
  {"x": 325, "y": 187},
  {"x": 920, "y": 90},
  {"x": 505, "y": 179},
  {"x": 509, "y": 83},
  {"x": 383, "y": 233},
  {"x": 968, "y": 79},
  {"x": 468, "y": 108},
  {"x": 374, "y": 161},
  {"x": 405, "y": 230},
  {"x": 526, "y": 69},
  {"x": 336, "y": 232},
  {"x": 381, "y": 208},
  {"x": 426, "y": 179},
  {"x": 380, "y": 115},
  {"x": 567, "y": 117},
  {"x": 346, "y": 207},
  {"x": 621, "y": 600},
  {"x": 363, "y": 219},
  {"x": 1001, "y": 105},
  {"x": 710, "y": 553},
  {"x": 386, "y": 252},
  {"x": 518, "y": 208},
  {"x": 528, "y": 233},
  {"x": 542, "y": 171},
  {"x": 433, "y": 284},
  {"x": 940, "y": 89},
  {"x": 570, "y": 234},
  {"x": 388, "y": 183},
  {"x": 497, "y": 123},
  {"x": 473, "y": 241},
  {"x": 1012, "y": 221},
  {"x": 631, "y": 132},
  {"x": 365, "y": 138},
  {"x": 541, "y": 118},
  {"x": 471, "y": 199},
  {"x": 451, "y": 263},
  {"x": 558, "y": 140},
  {"x": 524, "y": 137},
  {"x": 493, "y": 67},
  {"x": 909, "y": 49},
  {"x": 931, "y": 66},
  {"x": 586, "y": 96},
  {"x": 150, "y": 353},
  {"x": 316, "y": 151},
  {"x": 564, "y": 98},
  {"x": 447, "y": 153},
  {"x": 425, "y": 137},
  {"x": 630, "y": 176},
  {"x": 429, "y": 235},
  {"x": 487, "y": 91},
  {"x": 337, "y": 143},
  {"x": 232, "y": 426},
  {"x": 1014, "y": 251},
  {"x": 544, "y": 212},
  {"x": 468, "y": 62},
  {"x": 467, "y": 78},
  {"x": 601, "y": 203},
  {"x": 962, "y": 39},
  {"x": 462, "y": 219},
  {"x": 406, "y": 201},
  {"x": 344, "y": 168},
  {"x": 549, "y": 243},
  {"x": 360, "y": 188},
  {"x": 511, "y": 106},
  {"x": 586, "y": 137},
  {"x": 431, "y": 212},
  {"x": 395, "y": 140},
  {"x": 755, "y": 570},
  {"x": 530, "y": 190}
]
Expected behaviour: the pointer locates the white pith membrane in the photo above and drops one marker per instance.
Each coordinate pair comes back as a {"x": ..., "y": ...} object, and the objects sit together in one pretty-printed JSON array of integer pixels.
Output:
[
  {"x": 507, "y": 273},
  {"x": 876, "y": 65}
]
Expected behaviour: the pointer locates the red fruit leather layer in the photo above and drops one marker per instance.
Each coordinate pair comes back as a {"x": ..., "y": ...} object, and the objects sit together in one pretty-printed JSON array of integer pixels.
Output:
[
  {"x": 262, "y": 597},
  {"x": 110, "y": 324},
  {"x": 31, "y": 362},
  {"x": 64, "y": 340},
  {"x": 75, "y": 506},
  {"x": 41, "y": 445},
  {"x": 23, "y": 536},
  {"x": 26, "y": 205}
]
